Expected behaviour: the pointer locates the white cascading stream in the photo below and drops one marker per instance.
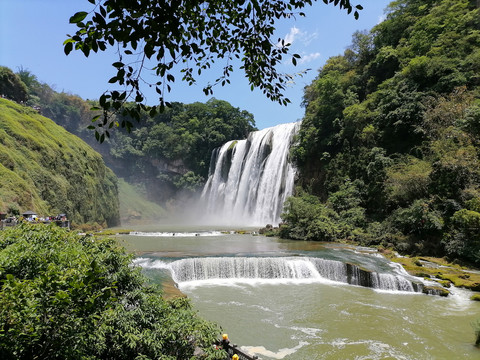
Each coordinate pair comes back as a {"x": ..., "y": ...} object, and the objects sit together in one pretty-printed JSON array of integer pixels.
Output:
[
  {"x": 278, "y": 268},
  {"x": 250, "y": 179}
]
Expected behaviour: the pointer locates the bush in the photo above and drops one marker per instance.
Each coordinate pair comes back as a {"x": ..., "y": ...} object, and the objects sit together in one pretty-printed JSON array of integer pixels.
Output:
[
  {"x": 305, "y": 218},
  {"x": 63, "y": 296},
  {"x": 419, "y": 219},
  {"x": 322, "y": 229},
  {"x": 11, "y": 86},
  {"x": 463, "y": 239}
]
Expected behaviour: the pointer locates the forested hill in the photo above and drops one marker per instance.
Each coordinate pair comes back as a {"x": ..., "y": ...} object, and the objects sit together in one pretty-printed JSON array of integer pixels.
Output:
[
  {"x": 164, "y": 156},
  {"x": 46, "y": 169},
  {"x": 389, "y": 145},
  {"x": 171, "y": 152}
]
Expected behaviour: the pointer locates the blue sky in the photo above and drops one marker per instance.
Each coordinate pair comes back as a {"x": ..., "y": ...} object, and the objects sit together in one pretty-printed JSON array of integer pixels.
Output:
[{"x": 32, "y": 33}]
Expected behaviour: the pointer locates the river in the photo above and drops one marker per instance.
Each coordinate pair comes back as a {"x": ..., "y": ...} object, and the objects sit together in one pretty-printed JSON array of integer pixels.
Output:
[{"x": 266, "y": 294}]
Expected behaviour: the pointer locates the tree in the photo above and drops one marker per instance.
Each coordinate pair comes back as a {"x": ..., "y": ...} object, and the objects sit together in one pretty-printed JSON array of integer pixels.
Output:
[
  {"x": 64, "y": 296},
  {"x": 190, "y": 35},
  {"x": 11, "y": 86}
]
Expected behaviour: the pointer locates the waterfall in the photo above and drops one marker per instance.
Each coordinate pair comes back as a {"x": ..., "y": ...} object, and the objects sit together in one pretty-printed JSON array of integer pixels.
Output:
[
  {"x": 249, "y": 180},
  {"x": 280, "y": 268}
]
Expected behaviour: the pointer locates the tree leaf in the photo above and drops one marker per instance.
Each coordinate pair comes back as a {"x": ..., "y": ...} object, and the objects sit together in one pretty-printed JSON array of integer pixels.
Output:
[{"x": 78, "y": 17}]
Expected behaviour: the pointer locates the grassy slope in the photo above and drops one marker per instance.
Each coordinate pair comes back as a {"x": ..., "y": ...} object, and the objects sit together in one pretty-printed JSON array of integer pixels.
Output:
[
  {"x": 46, "y": 169},
  {"x": 134, "y": 207}
]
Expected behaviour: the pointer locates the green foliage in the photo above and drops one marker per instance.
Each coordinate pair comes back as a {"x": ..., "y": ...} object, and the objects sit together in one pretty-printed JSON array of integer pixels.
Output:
[
  {"x": 189, "y": 181},
  {"x": 463, "y": 239},
  {"x": 199, "y": 33},
  {"x": 11, "y": 86},
  {"x": 46, "y": 169},
  {"x": 63, "y": 296},
  {"x": 182, "y": 138},
  {"x": 307, "y": 219},
  {"x": 419, "y": 219},
  {"x": 170, "y": 150},
  {"x": 408, "y": 179},
  {"x": 397, "y": 114}
]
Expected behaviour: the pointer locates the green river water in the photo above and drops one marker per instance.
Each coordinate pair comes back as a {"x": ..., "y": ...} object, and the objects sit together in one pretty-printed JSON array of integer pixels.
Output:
[{"x": 310, "y": 318}]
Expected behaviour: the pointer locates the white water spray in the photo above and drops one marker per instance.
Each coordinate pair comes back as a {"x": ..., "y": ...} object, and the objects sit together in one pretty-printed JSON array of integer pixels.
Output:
[
  {"x": 250, "y": 179},
  {"x": 288, "y": 269}
]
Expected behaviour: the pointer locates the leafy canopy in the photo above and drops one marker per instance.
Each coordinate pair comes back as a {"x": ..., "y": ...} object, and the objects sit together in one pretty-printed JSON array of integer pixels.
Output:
[
  {"x": 398, "y": 115},
  {"x": 64, "y": 296},
  {"x": 187, "y": 35}
]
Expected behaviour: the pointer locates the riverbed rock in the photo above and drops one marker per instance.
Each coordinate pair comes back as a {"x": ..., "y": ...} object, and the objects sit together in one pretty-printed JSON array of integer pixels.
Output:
[{"x": 435, "y": 290}]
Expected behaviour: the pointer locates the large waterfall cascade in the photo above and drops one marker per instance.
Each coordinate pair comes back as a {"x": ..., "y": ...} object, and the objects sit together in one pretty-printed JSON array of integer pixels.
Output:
[
  {"x": 281, "y": 268},
  {"x": 249, "y": 180}
]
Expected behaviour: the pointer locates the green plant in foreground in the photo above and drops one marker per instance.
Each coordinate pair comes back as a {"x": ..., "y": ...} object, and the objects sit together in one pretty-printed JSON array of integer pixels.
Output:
[{"x": 64, "y": 296}]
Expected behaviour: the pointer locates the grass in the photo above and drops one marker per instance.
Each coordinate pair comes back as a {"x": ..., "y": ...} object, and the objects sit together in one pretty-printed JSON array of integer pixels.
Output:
[
  {"x": 438, "y": 269},
  {"x": 46, "y": 169}
]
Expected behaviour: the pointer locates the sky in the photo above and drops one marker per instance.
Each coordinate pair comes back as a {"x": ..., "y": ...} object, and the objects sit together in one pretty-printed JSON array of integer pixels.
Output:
[{"x": 32, "y": 34}]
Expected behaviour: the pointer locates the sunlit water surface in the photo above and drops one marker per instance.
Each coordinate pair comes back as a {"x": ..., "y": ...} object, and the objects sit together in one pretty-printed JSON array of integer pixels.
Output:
[{"x": 310, "y": 319}]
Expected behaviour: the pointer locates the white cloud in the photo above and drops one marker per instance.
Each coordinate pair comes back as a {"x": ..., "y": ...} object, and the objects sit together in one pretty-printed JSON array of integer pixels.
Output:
[
  {"x": 302, "y": 39},
  {"x": 307, "y": 38},
  {"x": 308, "y": 58},
  {"x": 297, "y": 35},
  {"x": 290, "y": 37}
]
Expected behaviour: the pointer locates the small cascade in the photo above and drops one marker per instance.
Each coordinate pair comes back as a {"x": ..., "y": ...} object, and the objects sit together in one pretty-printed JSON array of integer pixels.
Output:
[
  {"x": 249, "y": 180},
  {"x": 290, "y": 269}
]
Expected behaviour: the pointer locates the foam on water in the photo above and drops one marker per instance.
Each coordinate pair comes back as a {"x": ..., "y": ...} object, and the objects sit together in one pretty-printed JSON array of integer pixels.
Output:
[
  {"x": 177, "y": 234},
  {"x": 280, "y": 354}
]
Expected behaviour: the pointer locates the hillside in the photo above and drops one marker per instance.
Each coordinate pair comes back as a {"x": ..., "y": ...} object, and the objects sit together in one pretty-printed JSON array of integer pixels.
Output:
[
  {"x": 135, "y": 208},
  {"x": 167, "y": 155},
  {"x": 46, "y": 169},
  {"x": 389, "y": 145}
]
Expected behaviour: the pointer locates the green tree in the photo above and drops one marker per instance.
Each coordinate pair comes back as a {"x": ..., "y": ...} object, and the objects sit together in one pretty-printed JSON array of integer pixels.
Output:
[
  {"x": 463, "y": 239},
  {"x": 11, "y": 86},
  {"x": 305, "y": 218},
  {"x": 185, "y": 134},
  {"x": 190, "y": 36},
  {"x": 407, "y": 180},
  {"x": 64, "y": 296},
  {"x": 399, "y": 113}
]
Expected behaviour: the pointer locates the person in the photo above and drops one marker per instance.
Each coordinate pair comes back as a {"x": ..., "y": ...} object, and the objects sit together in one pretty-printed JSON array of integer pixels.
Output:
[{"x": 225, "y": 341}]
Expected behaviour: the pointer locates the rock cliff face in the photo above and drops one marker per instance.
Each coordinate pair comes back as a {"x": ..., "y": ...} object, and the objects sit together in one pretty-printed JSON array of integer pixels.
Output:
[{"x": 46, "y": 169}]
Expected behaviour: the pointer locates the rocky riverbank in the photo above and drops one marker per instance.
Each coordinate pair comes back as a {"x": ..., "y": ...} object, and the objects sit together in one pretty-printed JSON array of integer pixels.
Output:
[{"x": 439, "y": 270}]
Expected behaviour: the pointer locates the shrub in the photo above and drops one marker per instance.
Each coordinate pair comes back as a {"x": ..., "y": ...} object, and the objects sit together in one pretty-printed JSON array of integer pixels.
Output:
[
  {"x": 463, "y": 239},
  {"x": 63, "y": 296},
  {"x": 420, "y": 219}
]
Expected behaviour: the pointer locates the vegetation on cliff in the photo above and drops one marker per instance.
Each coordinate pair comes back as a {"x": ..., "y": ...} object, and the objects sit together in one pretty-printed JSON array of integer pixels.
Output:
[
  {"x": 165, "y": 155},
  {"x": 389, "y": 146},
  {"x": 64, "y": 296},
  {"x": 46, "y": 169},
  {"x": 183, "y": 136}
]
